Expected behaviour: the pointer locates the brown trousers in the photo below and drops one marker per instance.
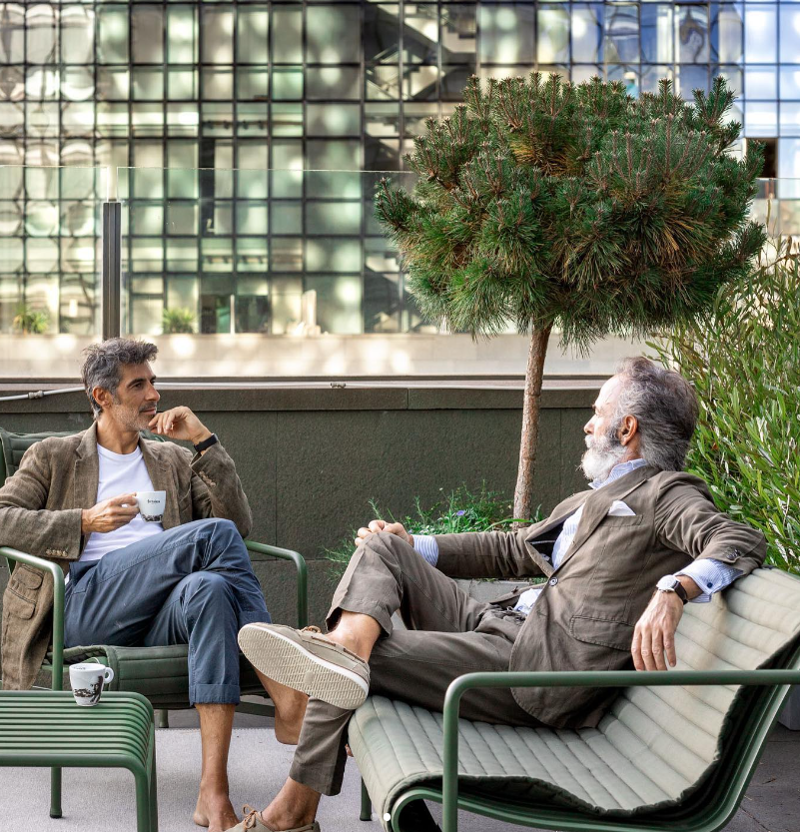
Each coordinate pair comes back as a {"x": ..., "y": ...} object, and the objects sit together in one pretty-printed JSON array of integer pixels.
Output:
[{"x": 449, "y": 634}]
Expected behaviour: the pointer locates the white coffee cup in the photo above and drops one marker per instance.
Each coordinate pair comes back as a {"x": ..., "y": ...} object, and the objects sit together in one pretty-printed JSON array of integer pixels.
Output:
[
  {"x": 151, "y": 505},
  {"x": 87, "y": 680}
]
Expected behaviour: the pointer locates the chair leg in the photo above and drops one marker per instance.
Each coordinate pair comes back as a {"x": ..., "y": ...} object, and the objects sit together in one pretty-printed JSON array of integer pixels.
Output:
[
  {"x": 143, "y": 802},
  {"x": 55, "y": 792},
  {"x": 154, "y": 794},
  {"x": 366, "y": 803},
  {"x": 162, "y": 717}
]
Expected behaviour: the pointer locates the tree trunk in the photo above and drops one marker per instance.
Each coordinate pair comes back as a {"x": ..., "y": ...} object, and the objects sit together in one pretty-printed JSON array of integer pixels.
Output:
[{"x": 523, "y": 509}]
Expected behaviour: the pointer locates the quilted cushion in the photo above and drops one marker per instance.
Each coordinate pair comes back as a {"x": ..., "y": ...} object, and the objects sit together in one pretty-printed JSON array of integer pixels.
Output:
[{"x": 653, "y": 747}]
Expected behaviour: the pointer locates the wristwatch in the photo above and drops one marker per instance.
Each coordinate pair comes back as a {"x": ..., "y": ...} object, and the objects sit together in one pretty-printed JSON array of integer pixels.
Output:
[
  {"x": 669, "y": 583},
  {"x": 206, "y": 443}
]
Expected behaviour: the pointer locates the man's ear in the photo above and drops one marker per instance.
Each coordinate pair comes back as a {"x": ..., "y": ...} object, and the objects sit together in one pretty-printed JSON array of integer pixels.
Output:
[
  {"x": 102, "y": 396},
  {"x": 629, "y": 429}
]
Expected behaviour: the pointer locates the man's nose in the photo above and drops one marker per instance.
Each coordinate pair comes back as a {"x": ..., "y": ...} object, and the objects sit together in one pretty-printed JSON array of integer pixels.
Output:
[
  {"x": 587, "y": 428},
  {"x": 153, "y": 394}
]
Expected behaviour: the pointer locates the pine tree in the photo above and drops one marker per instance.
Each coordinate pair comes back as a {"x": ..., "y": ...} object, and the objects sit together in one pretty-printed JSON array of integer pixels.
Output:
[{"x": 547, "y": 204}]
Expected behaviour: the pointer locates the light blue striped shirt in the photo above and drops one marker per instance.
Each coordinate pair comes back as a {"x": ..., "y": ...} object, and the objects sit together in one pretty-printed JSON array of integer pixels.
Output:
[{"x": 710, "y": 575}]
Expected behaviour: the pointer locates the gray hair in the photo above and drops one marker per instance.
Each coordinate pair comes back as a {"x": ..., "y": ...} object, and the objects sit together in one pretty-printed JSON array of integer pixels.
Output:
[
  {"x": 665, "y": 406},
  {"x": 103, "y": 362}
]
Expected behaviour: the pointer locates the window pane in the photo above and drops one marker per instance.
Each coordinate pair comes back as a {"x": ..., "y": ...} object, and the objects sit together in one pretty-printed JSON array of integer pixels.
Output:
[
  {"x": 77, "y": 35},
  {"x": 761, "y": 40},
  {"x": 691, "y": 34},
  {"x": 41, "y": 35},
  {"x": 790, "y": 34},
  {"x": 333, "y": 34},
  {"x": 217, "y": 36},
  {"x": 553, "y": 36},
  {"x": 182, "y": 84},
  {"x": 182, "y": 36},
  {"x": 287, "y": 36},
  {"x": 334, "y": 119},
  {"x": 381, "y": 33},
  {"x": 622, "y": 34},
  {"x": 334, "y": 82},
  {"x": 657, "y": 34},
  {"x": 761, "y": 82},
  {"x": 338, "y": 303},
  {"x": 252, "y": 40},
  {"x": 760, "y": 118},
  {"x": 790, "y": 82},
  {"x": 790, "y": 118},
  {"x": 458, "y": 33},
  {"x": 507, "y": 33},
  {"x": 728, "y": 34},
  {"x": 148, "y": 33},
  {"x": 113, "y": 35},
  {"x": 252, "y": 84},
  {"x": 587, "y": 33}
]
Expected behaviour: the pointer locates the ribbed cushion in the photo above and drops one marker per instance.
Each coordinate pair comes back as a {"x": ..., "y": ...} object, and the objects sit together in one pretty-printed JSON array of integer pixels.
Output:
[{"x": 651, "y": 749}]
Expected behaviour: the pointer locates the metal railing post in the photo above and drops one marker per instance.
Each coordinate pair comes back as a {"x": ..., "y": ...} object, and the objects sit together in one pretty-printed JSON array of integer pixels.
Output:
[{"x": 112, "y": 270}]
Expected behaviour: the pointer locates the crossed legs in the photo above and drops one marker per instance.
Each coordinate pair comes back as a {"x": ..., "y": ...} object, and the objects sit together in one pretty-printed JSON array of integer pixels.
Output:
[
  {"x": 386, "y": 575},
  {"x": 193, "y": 585}
]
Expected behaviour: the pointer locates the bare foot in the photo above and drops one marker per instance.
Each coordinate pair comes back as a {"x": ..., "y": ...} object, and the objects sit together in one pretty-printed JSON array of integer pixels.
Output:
[
  {"x": 290, "y": 708},
  {"x": 215, "y": 812}
]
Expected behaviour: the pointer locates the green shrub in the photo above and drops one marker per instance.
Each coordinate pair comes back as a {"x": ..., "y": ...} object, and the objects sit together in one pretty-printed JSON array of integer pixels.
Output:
[
  {"x": 744, "y": 361},
  {"x": 459, "y": 511},
  {"x": 28, "y": 321},
  {"x": 175, "y": 321}
]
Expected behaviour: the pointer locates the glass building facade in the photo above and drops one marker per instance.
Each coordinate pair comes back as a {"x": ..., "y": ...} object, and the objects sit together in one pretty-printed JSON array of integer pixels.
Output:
[{"x": 206, "y": 120}]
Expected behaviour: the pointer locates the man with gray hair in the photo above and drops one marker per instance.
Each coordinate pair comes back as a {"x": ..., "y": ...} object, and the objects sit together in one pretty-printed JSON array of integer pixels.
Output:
[
  {"x": 620, "y": 560},
  {"x": 132, "y": 578}
]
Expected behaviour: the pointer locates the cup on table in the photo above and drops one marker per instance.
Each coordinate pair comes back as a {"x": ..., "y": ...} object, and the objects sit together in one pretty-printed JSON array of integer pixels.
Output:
[
  {"x": 87, "y": 680},
  {"x": 151, "y": 505}
]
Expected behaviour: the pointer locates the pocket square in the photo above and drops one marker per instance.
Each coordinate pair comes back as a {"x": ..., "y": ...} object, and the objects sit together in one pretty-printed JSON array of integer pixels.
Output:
[{"x": 620, "y": 509}]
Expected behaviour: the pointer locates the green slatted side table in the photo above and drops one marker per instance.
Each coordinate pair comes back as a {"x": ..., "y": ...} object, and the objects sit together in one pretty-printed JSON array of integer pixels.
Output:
[{"x": 47, "y": 728}]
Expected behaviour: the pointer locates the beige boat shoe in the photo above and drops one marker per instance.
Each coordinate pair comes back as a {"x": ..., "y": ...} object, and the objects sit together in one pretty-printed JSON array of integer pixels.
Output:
[
  {"x": 252, "y": 823},
  {"x": 307, "y": 661}
]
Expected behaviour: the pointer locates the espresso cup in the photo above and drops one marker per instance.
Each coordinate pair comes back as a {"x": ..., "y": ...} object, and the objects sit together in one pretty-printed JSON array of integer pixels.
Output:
[
  {"x": 151, "y": 505},
  {"x": 87, "y": 680}
]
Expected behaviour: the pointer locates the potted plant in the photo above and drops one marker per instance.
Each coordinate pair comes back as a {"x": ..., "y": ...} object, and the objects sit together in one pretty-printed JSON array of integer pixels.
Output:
[
  {"x": 177, "y": 321},
  {"x": 29, "y": 321}
]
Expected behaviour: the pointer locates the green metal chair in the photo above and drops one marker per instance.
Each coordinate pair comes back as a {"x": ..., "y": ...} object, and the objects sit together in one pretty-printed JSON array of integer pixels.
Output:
[
  {"x": 158, "y": 673},
  {"x": 641, "y": 770},
  {"x": 44, "y": 729}
]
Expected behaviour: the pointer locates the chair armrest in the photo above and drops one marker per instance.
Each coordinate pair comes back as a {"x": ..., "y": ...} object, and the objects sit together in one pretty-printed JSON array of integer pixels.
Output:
[
  {"x": 254, "y": 547},
  {"x": 572, "y": 679},
  {"x": 58, "y": 606}
]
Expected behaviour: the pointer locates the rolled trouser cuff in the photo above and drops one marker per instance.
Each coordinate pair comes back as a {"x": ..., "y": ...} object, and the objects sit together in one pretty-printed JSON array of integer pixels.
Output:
[
  {"x": 214, "y": 694},
  {"x": 363, "y": 607}
]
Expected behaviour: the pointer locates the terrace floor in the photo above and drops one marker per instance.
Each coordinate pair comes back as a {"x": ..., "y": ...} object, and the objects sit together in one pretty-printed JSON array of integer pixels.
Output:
[{"x": 99, "y": 800}]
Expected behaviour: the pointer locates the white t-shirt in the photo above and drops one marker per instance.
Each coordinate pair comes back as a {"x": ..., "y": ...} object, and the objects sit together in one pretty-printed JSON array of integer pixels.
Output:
[{"x": 120, "y": 474}]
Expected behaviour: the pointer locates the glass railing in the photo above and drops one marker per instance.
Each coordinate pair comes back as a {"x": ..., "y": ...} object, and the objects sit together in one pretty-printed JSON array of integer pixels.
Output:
[
  {"x": 50, "y": 265},
  {"x": 271, "y": 252},
  {"x": 256, "y": 273}
]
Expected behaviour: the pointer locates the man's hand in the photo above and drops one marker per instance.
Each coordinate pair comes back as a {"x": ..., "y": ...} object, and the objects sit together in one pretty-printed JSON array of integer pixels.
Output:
[
  {"x": 109, "y": 515},
  {"x": 382, "y": 526},
  {"x": 654, "y": 633},
  {"x": 179, "y": 423}
]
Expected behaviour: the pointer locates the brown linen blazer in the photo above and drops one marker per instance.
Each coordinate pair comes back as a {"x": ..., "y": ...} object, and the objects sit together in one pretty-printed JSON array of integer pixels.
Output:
[
  {"x": 40, "y": 513},
  {"x": 586, "y": 613}
]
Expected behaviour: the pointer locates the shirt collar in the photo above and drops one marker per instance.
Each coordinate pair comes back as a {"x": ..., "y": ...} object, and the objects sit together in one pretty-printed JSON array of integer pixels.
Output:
[{"x": 618, "y": 471}]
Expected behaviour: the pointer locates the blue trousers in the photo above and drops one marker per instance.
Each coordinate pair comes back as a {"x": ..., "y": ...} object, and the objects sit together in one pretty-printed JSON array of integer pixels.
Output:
[{"x": 193, "y": 584}]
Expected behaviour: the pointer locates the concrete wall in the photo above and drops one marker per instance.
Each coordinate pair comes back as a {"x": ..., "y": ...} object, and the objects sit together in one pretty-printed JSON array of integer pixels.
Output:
[{"x": 311, "y": 459}]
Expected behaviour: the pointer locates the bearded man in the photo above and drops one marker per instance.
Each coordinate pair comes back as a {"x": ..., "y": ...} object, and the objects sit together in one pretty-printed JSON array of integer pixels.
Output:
[{"x": 620, "y": 560}]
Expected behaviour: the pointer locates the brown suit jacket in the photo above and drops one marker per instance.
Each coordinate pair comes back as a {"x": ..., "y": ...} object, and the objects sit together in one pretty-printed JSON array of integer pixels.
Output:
[
  {"x": 40, "y": 513},
  {"x": 585, "y": 616}
]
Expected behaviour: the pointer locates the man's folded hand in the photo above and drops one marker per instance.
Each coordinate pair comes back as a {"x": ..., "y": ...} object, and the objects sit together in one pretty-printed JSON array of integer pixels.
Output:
[{"x": 382, "y": 526}]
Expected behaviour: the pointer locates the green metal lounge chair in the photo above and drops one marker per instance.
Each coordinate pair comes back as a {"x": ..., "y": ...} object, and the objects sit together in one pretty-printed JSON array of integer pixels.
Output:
[
  {"x": 159, "y": 673},
  {"x": 46, "y": 728},
  {"x": 676, "y": 750}
]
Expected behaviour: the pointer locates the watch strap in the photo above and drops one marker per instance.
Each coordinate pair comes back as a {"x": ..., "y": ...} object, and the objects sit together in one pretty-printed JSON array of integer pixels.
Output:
[{"x": 206, "y": 443}]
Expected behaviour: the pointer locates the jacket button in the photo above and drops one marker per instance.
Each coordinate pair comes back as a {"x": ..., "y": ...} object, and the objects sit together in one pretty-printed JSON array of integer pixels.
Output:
[{"x": 553, "y": 581}]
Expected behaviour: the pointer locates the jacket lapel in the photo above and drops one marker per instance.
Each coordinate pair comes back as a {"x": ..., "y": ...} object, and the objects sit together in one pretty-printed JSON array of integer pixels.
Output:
[
  {"x": 598, "y": 504},
  {"x": 161, "y": 477},
  {"x": 87, "y": 470},
  {"x": 542, "y": 536}
]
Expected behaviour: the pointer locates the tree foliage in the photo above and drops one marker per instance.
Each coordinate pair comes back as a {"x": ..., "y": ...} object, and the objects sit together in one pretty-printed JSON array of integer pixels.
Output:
[{"x": 545, "y": 203}]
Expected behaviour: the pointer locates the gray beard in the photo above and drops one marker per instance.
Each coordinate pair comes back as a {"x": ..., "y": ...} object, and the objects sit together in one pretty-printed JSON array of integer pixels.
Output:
[{"x": 601, "y": 456}]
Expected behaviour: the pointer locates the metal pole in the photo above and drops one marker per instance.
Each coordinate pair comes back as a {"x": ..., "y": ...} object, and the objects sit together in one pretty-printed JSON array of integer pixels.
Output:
[{"x": 112, "y": 270}]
